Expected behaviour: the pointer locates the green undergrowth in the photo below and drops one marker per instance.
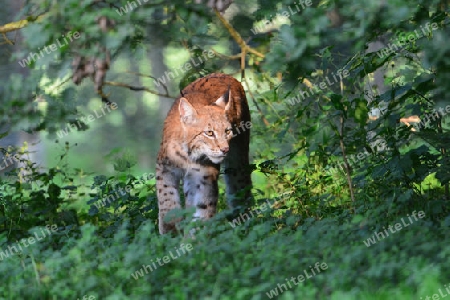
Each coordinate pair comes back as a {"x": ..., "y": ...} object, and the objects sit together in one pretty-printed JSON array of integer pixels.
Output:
[{"x": 244, "y": 262}]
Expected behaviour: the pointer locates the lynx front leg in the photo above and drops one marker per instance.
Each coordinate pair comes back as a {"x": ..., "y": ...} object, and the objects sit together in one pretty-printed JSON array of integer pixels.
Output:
[
  {"x": 201, "y": 190},
  {"x": 167, "y": 183}
]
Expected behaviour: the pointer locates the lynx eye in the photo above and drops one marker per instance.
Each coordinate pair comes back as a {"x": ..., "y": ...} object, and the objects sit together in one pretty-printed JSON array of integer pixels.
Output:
[
  {"x": 228, "y": 131},
  {"x": 209, "y": 133}
]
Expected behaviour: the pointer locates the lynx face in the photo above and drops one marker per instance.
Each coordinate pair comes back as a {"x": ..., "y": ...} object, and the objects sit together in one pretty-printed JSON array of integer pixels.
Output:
[{"x": 207, "y": 132}]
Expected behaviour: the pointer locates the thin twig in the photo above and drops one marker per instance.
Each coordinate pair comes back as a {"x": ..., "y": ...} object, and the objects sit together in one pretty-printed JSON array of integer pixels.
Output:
[
  {"x": 344, "y": 153},
  {"x": 62, "y": 83},
  {"x": 443, "y": 152},
  {"x": 137, "y": 88},
  {"x": 7, "y": 41},
  {"x": 252, "y": 97},
  {"x": 243, "y": 64},
  {"x": 230, "y": 57},
  {"x": 347, "y": 165},
  {"x": 155, "y": 79}
]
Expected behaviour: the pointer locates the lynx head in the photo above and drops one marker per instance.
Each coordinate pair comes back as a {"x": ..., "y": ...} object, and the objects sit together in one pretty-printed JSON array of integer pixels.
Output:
[{"x": 207, "y": 131}]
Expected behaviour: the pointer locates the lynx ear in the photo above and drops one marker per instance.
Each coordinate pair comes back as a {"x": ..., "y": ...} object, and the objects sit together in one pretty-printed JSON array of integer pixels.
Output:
[
  {"x": 188, "y": 114},
  {"x": 225, "y": 100}
]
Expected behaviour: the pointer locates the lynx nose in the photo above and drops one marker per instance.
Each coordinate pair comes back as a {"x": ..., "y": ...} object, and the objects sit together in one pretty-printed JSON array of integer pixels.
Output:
[{"x": 225, "y": 149}]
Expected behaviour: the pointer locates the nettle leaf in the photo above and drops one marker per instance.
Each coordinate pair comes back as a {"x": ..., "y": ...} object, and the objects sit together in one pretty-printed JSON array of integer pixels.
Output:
[
  {"x": 336, "y": 100},
  {"x": 54, "y": 191},
  {"x": 37, "y": 36},
  {"x": 443, "y": 173},
  {"x": 361, "y": 111}
]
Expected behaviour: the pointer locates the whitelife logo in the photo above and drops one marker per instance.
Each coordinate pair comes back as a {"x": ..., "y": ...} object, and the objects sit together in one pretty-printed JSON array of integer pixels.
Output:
[
  {"x": 341, "y": 74},
  {"x": 124, "y": 9},
  {"x": 70, "y": 127},
  {"x": 379, "y": 235},
  {"x": 277, "y": 21},
  {"x": 300, "y": 278},
  {"x": 44, "y": 232},
  {"x": 184, "y": 68},
  {"x": 35, "y": 56},
  {"x": 355, "y": 159},
  {"x": 440, "y": 113},
  {"x": 263, "y": 207},
  {"x": 440, "y": 295},
  {"x": 404, "y": 40},
  {"x": 165, "y": 260},
  {"x": 114, "y": 195},
  {"x": 11, "y": 158}
]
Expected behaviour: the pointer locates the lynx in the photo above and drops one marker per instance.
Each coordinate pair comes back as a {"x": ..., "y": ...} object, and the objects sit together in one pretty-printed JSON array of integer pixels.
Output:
[{"x": 208, "y": 124}]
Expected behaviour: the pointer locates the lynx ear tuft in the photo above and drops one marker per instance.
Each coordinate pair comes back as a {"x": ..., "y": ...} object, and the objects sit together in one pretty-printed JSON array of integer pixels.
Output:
[
  {"x": 188, "y": 114},
  {"x": 225, "y": 100}
]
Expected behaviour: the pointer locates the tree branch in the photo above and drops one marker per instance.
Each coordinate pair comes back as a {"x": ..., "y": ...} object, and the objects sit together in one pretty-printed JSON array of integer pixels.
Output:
[
  {"x": 155, "y": 79},
  {"x": 137, "y": 88},
  {"x": 346, "y": 163},
  {"x": 8, "y": 41},
  {"x": 19, "y": 24},
  {"x": 237, "y": 56},
  {"x": 237, "y": 37}
]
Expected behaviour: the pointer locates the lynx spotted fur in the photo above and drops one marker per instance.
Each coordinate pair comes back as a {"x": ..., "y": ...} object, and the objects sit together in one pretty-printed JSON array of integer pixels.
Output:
[{"x": 202, "y": 130}]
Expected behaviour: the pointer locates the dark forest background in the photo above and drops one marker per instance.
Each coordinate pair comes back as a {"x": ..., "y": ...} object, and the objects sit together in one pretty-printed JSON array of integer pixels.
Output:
[{"x": 350, "y": 135}]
